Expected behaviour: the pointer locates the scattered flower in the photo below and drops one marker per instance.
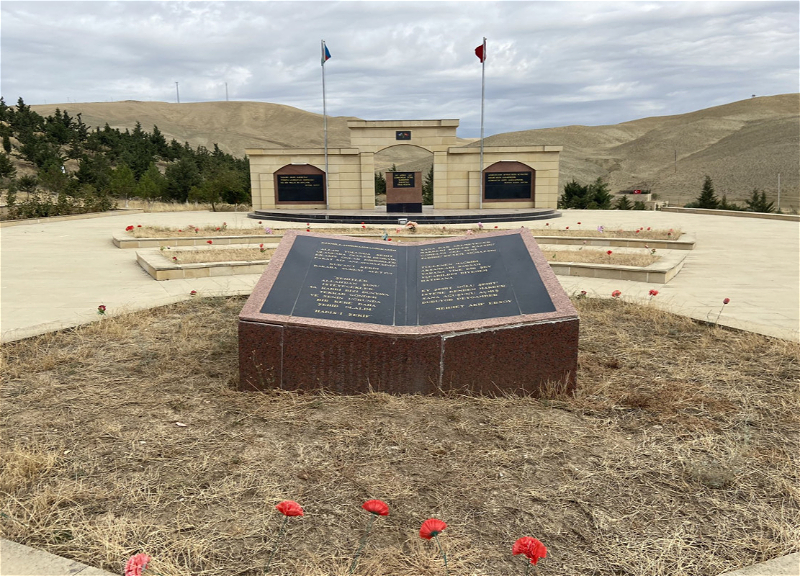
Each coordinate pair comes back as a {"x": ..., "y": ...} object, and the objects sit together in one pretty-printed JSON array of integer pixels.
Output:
[
  {"x": 579, "y": 223},
  {"x": 308, "y": 229},
  {"x": 637, "y": 231},
  {"x": 616, "y": 294},
  {"x": 531, "y": 548},
  {"x": 101, "y": 309},
  {"x": 378, "y": 507},
  {"x": 469, "y": 232},
  {"x": 174, "y": 258},
  {"x": 289, "y": 508},
  {"x": 480, "y": 226},
  {"x": 431, "y": 528},
  {"x": 259, "y": 221},
  {"x": 209, "y": 242},
  {"x": 129, "y": 228},
  {"x": 135, "y": 564},
  {"x": 179, "y": 230},
  {"x": 653, "y": 292},
  {"x": 547, "y": 224},
  {"x": 193, "y": 293},
  {"x": 600, "y": 229},
  {"x": 609, "y": 252},
  {"x": 495, "y": 226},
  {"x": 267, "y": 230},
  {"x": 567, "y": 227},
  {"x": 583, "y": 293},
  {"x": 648, "y": 228},
  {"x": 138, "y": 225},
  {"x": 261, "y": 247},
  {"x": 724, "y": 303}
]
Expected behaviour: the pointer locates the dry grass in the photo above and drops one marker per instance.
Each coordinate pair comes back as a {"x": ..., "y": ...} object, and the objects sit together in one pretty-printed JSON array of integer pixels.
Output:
[
  {"x": 640, "y": 233},
  {"x": 220, "y": 255},
  {"x": 181, "y": 206},
  {"x": 679, "y": 455},
  {"x": 590, "y": 256}
]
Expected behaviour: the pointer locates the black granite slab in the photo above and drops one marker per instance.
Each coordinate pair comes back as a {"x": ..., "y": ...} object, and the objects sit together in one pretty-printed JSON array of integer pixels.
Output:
[
  {"x": 301, "y": 188},
  {"x": 408, "y": 285},
  {"x": 507, "y": 185}
]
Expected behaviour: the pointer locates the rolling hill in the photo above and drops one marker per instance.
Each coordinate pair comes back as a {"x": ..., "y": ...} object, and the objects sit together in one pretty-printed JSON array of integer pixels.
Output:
[{"x": 742, "y": 145}]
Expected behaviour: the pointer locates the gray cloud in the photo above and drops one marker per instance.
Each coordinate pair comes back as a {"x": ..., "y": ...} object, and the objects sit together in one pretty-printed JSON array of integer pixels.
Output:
[{"x": 549, "y": 63}]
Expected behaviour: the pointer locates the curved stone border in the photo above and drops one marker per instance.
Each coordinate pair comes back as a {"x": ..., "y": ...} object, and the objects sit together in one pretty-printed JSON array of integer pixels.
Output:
[{"x": 117, "y": 212}]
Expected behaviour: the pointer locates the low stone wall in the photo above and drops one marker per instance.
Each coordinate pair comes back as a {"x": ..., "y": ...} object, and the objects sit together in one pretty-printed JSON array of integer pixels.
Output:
[{"x": 736, "y": 213}]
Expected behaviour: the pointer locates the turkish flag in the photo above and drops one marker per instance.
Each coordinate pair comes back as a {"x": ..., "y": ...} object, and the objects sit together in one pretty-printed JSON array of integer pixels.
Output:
[{"x": 480, "y": 52}]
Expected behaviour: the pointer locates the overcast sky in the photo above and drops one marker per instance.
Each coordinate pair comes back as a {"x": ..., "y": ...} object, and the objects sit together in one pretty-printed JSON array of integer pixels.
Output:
[{"x": 548, "y": 63}]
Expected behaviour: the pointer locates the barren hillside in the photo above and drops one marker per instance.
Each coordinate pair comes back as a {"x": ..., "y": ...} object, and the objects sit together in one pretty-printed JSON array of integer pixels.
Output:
[{"x": 742, "y": 146}]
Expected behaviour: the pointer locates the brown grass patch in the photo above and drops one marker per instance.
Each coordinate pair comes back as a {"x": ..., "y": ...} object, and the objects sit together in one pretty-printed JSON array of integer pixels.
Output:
[
  {"x": 593, "y": 256},
  {"x": 219, "y": 255},
  {"x": 678, "y": 455}
]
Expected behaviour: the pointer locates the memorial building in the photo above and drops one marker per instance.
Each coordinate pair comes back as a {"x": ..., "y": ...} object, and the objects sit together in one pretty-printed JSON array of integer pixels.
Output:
[{"x": 514, "y": 177}]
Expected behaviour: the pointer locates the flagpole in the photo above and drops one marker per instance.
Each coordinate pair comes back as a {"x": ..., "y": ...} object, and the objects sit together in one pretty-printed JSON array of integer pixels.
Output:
[
  {"x": 325, "y": 126},
  {"x": 483, "y": 92}
]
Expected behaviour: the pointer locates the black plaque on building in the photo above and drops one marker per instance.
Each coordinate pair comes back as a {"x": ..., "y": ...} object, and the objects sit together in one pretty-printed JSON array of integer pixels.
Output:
[
  {"x": 402, "y": 135},
  {"x": 403, "y": 180},
  {"x": 301, "y": 188},
  {"x": 507, "y": 185},
  {"x": 407, "y": 285}
]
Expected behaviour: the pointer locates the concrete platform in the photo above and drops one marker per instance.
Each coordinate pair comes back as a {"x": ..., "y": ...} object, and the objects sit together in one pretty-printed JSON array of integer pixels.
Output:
[{"x": 19, "y": 560}]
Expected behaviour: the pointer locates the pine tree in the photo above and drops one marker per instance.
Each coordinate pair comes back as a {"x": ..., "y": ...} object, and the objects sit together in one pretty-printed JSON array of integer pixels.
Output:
[
  {"x": 707, "y": 198},
  {"x": 427, "y": 188},
  {"x": 623, "y": 203},
  {"x": 758, "y": 203},
  {"x": 7, "y": 169}
]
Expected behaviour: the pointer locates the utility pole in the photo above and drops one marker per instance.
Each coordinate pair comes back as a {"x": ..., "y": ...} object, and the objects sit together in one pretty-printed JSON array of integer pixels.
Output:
[
  {"x": 226, "y": 91},
  {"x": 676, "y": 160},
  {"x": 779, "y": 192},
  {"x": 177, "y": 93}
]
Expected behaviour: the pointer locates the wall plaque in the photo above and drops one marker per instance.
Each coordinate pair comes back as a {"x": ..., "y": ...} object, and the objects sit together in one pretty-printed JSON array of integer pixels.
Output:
[
  {"x": 507, "y": 186},
  {"x": 402, "y": 135},
  {"x": 300, "y": 188}
]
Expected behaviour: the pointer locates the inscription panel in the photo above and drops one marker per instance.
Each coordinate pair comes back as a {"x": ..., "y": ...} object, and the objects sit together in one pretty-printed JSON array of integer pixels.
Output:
[
  {"x": 300, "y": 188},
  {"x": 507, "y": 185},
  {"x": 409, "y": 285},
  {"x": 403, "y": 180}
]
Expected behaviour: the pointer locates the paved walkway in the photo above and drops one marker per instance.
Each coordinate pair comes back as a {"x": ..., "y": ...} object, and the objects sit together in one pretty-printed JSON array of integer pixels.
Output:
[{"x": 54, "y": 275}]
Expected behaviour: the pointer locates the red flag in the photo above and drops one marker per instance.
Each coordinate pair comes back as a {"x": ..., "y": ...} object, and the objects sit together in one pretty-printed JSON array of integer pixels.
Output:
[{"x": 480, "y": 52}]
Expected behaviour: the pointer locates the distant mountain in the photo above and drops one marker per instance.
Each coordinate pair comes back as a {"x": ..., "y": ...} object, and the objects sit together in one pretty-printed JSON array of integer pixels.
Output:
[{"x": 742, "y": 146}]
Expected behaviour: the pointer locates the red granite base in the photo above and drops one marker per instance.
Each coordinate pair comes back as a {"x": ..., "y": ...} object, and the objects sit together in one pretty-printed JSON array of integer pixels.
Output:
[{"x": 524, "y": 354}]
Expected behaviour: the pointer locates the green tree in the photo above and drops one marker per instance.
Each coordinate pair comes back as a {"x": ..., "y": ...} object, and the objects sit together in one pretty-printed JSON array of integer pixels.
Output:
[
  {"x": 27, "y": 183},
  {"x": 181, "y": 177},
  {"x": 223, "y": 186},
  {"x": 623, "y": 203},
  {"x": 7, "y": 169},
  {"x": 639, "y": 205},
  {"x": 758, "y": 202},
  {"x": 151, "y": 185},
  {"x": 380, "y": 184},
  {"x": 53, "y": 178},
  {"x": 594, "y": 196},
  {"x": 707, "y": 198},
  {"x": 122, "y": 183},
  {"x": 6, "y": 144},
  {"x": 427, "y": 188}
]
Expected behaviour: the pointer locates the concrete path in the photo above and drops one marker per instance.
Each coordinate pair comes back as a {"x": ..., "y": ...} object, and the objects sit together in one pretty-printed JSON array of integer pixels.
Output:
[{"x": 54, "y": 275}]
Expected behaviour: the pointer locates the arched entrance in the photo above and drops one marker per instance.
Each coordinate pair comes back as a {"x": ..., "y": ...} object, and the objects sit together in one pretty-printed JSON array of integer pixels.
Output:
[{"x": 404, "y": 158}]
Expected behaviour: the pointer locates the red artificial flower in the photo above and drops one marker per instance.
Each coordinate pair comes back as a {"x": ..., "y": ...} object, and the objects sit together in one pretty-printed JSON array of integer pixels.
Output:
[
  {"x": 135, "y": 564},
  {"x": 726, "y": 300},
  {"x": 653, "y": 292},
  {"x": 129, "y": 228},
  {"x": 579, "y": 223},
  {"x": 547, "y": 224},
  {"x": 495, "y": 226},
  {"x": 583, "y": 292},
  {"x": 637, "y": 231},
  {"x": 217, "y": 229},
  {"x": 648, "y": 228},
  {"x": 179, "y": 230},
  {"x": 175, "y": 258},
  {"x": 431, "y": 527},
  {"x": 609, "y": 252},
  {"x": 209, "y": 242},
  {"x": 529, "y": 547},
  {"x": 616, "y": 294},
  {"x": 193, "y": 293},
  {"x": 259, "y": 221},
  {"x": 138, "y": 225},
  {"x": 290, "y": 508},
  {"x": 378, "y": 507},
  {"x": 567, "y": 227}
]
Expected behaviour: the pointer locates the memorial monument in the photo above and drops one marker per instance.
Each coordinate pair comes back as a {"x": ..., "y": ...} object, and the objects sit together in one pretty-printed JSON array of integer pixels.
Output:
[
  {"x": 482, "y": 314},
  {"x": 404, "y": 192}
]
